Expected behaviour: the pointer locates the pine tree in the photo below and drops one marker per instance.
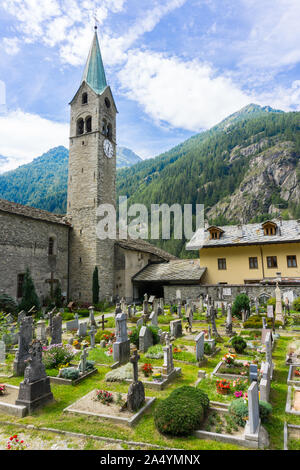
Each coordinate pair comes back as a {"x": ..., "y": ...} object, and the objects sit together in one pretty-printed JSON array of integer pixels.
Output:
[
  {"x": 29, "y": 297},
  {"x": 95, "y": 286}
]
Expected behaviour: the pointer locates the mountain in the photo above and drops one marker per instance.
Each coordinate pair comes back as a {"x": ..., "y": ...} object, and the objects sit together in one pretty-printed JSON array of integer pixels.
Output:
[
  {"x": 126, "y": 157},
  {"x": 246, "y": 168},
  {"x": 43, "y": 182}
]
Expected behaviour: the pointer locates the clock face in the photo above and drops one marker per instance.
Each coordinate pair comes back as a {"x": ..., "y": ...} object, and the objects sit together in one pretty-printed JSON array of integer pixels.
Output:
[{"x": 108, "y": 148}]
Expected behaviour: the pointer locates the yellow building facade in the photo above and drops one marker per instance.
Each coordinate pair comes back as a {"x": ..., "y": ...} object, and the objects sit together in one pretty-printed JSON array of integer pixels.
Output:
[{"x": 249, "y": 264}]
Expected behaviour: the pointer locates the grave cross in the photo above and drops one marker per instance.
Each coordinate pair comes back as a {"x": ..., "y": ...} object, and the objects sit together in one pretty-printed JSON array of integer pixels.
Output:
[
  {"x": 134, "y": 361},
  {"x": 52, "y": 281},
  {"x": 102, "y": 322}
]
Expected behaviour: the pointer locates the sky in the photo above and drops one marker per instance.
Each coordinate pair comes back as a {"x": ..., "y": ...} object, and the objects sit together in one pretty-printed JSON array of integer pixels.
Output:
[{"x": 176, "y": 67}]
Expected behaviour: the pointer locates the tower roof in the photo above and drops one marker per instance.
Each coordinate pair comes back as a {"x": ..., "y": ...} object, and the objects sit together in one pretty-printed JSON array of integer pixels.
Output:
[{"x": 94, "y": 73}]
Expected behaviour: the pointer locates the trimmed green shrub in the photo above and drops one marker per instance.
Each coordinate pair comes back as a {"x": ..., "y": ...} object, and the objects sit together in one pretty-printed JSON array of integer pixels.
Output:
[
  {"x": 66, "y": 316},
  {"x": 182, "y": 412},
  {"x": 255, "y": 321},
  {"x": 95, "y": 287},
  {"x": 239, "y": 411},
  {"x": 29, "y": 295},
  {"x": 120, "y": 374},
  {"x": 155, "y": 352},
  {"x": 239, "y": 344},
  {"x": 296, "y": 304},
  {"x": 207, "y": 349},
  {"x": 241, "y": 302},
  {"x": 7, "y": 304},
  {"x": 70, "y": 373}
]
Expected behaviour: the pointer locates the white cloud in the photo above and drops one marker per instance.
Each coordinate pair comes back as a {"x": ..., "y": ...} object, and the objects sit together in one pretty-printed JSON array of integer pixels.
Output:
[
  {"x": 188, "y": 95},
  {"x": 274, "y": 39},
  {"x": 24, "y": 136},
  {"x": 284, "y": 98},
  {"x": 11, "y": 45}
]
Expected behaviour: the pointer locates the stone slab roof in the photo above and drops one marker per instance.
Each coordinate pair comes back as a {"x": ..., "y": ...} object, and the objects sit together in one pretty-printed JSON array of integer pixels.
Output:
[
  {"x": 174, "y": 270},
  {"x": 141, "y": 245},
  {"x": 32, "y": 212},
  {"x": 288, "y": 231}
]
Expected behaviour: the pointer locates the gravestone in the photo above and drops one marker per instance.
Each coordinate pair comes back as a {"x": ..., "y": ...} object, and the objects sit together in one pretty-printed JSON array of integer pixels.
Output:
[
  {"x": 162, "y": 304},
  {"x": 82, "y": 329},
  {"x": 253, "y": 372},
  {"x": 265, "y": 383},
  {"x": 145, "y": 305},
  {"x": 56, "y": 329},
  {"x": 129, "y": 311},
  {"x": 35, "y": 390},
  {"x": 41, "y": 331},
  {"x": 176, "y": 328},
  {"x": 190, "y": 320},
  {"x": 24, "y": 341},
  {"x": 228, "y": 326},
  {"x": 121, "y": 347},
  {"x": 179, "y": 308},
  {"x": 213, "y": 323},
  {"x": 72, "y": 325},
  {"x": 140, "y": 322},
  {"x": 2, "y": 352},
  {"x": 145, "y": 339},
  {"x": 200, "y": 346},
  {"x": 136, "y": 391},
  {"x": 21, "y": 315},
  {"x": 93, "y": 332},
  {"x": 264, "y": 322},
  {"x": 201, "y": 304},
  {"x": 153, "y": 318},
  {"x": 168, "y": 365},
  {"x": 268, "y": 343},
  {"x": 278, "y": 307},
  {"x": 253, "y": 422}
]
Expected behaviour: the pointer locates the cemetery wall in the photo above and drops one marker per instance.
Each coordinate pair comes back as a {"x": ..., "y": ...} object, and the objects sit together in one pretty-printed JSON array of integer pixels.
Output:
[
  {"x": 228, "y": 292},
  {"x": 24, "y": 243}
]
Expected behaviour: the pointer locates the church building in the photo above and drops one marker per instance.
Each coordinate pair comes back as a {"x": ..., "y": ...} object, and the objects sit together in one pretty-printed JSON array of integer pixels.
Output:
[{"x": 65, "y": 249}]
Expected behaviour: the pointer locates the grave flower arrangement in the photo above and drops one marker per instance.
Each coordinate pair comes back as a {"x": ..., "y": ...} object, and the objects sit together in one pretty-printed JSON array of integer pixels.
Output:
[
  {"x": 229, "y": 359},
  {"x": 109, "y": 351},
  {"x": 56, "y": 355},
  {"x": 76, "y": 344},
  {"x": 104, "y": 396},
  {"x": 157, "y": 377},
  {"x": 2, "y": 389},
  {"x": 223, "y": 386},
  {"x": 297, "y": 373},
  {"x": 147, "y": 370},
  {"x": 15, "y": 444},
  {"x": 239, "y": 384}
]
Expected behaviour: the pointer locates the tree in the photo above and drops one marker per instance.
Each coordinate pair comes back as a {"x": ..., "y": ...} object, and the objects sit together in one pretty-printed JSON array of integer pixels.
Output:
[
  {"x": 241, "y": 302},
  {"x": 95, "y": 286},
  {"x": 57, "y": 295},
  {"x": 29, "y": 297}
]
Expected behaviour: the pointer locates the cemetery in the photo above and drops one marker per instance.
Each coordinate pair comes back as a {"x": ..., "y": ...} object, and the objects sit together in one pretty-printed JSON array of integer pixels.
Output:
[{"x": 134, "y": 374}]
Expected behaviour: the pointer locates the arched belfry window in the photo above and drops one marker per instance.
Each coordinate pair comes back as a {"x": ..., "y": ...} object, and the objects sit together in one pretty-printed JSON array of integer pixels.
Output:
[
  {"x": 84, "y": 98},
  {"x": 104, "y": 127},
  {"x": 109, "y": 131},
  {"x": 88, "y": 124},
  {"x": 80, "y": 127}
]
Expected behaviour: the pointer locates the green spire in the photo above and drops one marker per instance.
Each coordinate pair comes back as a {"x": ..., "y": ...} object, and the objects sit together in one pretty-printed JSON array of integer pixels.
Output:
[{"x": 94, "y": 73}]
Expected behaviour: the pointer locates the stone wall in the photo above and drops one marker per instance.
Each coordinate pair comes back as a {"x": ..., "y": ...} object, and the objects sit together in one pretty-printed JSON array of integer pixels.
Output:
[
  {"x": 24, "y": 243},
  {"x": 218, "y": 292}
]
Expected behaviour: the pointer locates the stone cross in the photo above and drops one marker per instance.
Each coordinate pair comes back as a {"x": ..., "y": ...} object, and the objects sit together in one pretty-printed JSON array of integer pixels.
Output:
[
  {"x": 21, "y": 315},
  {"x": 179, "y": 307},
  {"x": 92, "y": 315},
  {"x": 168, "y": 365},
  {"x": 134, "y": 361},
  {"x": 83, "y": 359},
  {"x": 253, "y": 409},
  {"x": 213, "y": 323},
  {"x": 153, "y": 318},
  {"x": 145, "y": 305}
]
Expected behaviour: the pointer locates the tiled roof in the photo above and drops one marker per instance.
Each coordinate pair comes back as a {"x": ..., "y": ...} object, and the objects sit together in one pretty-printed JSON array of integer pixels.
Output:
[
  {"x": 250, "y": 234},
  {"x": 32, "y": 212},
  {"x": 141, "y": 245},
  {"x": 175, "y": 270}
]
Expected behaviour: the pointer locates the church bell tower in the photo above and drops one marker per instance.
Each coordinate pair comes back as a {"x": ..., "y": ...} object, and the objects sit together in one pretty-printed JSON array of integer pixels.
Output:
[{"x": 91, "y": 179}]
